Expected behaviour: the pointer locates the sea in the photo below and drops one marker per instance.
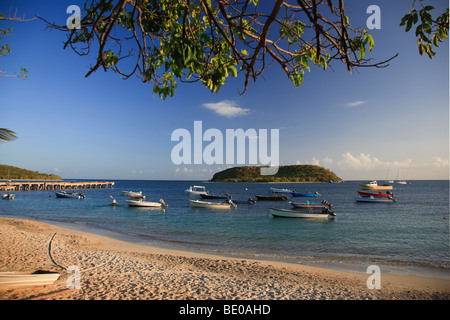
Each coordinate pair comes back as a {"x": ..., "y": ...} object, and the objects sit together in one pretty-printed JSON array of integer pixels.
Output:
[{"x": 407, "y": 237}]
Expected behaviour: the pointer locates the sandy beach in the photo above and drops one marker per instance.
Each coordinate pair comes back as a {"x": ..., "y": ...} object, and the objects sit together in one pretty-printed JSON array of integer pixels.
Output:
[{"x": 116, "y": 270}]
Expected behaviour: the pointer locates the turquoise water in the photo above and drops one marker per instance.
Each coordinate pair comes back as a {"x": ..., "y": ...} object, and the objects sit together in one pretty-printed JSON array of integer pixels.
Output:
[{"x": 410, "y": 236}]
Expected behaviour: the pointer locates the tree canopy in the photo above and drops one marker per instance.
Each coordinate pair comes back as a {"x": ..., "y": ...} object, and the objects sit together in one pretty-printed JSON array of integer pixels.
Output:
[{"x": 209, "y": 41}]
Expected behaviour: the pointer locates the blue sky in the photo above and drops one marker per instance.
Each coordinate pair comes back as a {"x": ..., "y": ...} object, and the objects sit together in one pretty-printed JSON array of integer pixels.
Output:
[{"x": 373, "y": 124}]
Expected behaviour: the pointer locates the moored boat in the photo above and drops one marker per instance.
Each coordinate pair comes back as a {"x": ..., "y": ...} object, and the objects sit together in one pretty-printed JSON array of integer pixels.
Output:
[
  {"x": 373, "y": 185},
  {"x": 310, "y": 194},
  {"x": 288, "y": 213},
  {"x": 142, "y": 203},
  {"x": 270, "y": 198},
  {"x": 8, "y": 196},
  {"x": 72, "y": 195},
  {"x": 213, "y": 196},
  {"x": 211, "y": 205},
  {"x": 280, "y": 190},
  {"x": 375, "y": 195},
  {"x": 375, "y": 200},
  {"x": 132, "y": 194},
  {"x": 248, "y": 201},
  {"x": 307, "y": 204},
  {"x": 196, "y": 190}
]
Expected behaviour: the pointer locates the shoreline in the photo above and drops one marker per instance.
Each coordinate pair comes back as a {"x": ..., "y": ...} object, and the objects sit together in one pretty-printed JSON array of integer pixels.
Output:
[
  {"x": 115, "y": 269},
  {"x": 336, "y": 263}
]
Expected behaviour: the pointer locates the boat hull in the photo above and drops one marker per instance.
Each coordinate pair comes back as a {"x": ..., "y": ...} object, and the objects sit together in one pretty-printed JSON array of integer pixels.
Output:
[
  {"x": 375, "y": 195},
  {"x": 209, "y": 205},
  {"x": 286, "y": 213},
  {"x": 72, "y": 195},
  {"x": 375, "y": 200},
  {"x": 294, "y": 194},
  {"x": 12, "y": 280},
  {"x": 138, "y": 203},
  {"x": 369, "y": 187},
  {"x": 270, "y": 198},
  {"x": 309, "y": 205},
  {"x": 211, "y": 196}
]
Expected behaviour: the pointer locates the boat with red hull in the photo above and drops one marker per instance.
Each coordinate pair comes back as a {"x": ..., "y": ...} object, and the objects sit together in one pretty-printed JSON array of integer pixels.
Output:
[{"x": 375, "y": 195}]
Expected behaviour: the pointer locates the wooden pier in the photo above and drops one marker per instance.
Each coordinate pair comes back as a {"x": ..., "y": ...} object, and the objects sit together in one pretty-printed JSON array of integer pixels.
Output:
[{"x": 52, "y": 185}]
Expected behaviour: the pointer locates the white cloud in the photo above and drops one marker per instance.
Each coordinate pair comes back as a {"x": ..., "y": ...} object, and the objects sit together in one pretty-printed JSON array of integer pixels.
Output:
[
  {"x": 227, "y": 109},
  {"x": 440, "y": 163},
  {"x": 367, "y": 162},
  {"x": 355, "y": 103}
]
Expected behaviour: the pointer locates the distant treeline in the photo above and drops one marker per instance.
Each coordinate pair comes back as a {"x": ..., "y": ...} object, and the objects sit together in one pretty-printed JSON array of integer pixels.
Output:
[
  {"x": 293, "y": 173},
  {"x": 12, "y": 173}
]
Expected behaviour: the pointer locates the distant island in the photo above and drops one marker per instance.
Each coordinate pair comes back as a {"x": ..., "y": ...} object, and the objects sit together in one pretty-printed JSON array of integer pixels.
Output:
[
  {"x": 293, "y": 173},
  {"x": 15, "y": 173}
]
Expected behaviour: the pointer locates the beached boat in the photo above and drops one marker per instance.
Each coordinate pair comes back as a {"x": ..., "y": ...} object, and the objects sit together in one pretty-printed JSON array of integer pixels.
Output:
[
  {"x": 307, "y": 204},
  {"x": 375, "y": 200},
  {"x": 72, "y": 195},
  {"x": 375, "y": 195},
  {"x": 142, "y": 203},
  {"x": 373, "y": 185},
  {"x": 211, "y": 205},
  {"x": 310, "y": 194},
  {"x": 133, "y": 194},
  {"x": 279, "y": 190},
  {"x": 270, "y": 198},
  {"x": 8, "y": 196},
  {"x": 196, "y": 190},
  {"x": 213, "y": 196},
  {"x": 13, "y": 280},
  {"x": 287, "y": 213}
]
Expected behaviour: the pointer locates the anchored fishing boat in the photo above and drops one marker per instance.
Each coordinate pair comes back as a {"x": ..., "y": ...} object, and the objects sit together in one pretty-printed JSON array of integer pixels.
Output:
[
  {"x": 325, "y": 213},
  {"x": 212, "y": 205},
  {"x": 72, "y": 195}
]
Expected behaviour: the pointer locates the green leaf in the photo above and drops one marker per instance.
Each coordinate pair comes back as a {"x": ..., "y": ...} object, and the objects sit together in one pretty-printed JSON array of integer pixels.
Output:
[{"x": 232, "y": 70}]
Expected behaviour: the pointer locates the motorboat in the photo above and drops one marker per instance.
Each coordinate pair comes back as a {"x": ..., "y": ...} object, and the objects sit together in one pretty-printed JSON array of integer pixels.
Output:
[
  {"x": 280, "y": 190},
  {"x": 275, "y": 197},
  {"x": 142, "y": 203},
  {"x": 193, "y": 190},
  {"x": 375, "y": 195},
  {"x": 8, "y": 196},
  {"x": 248, "y": 201},
  {"x": 133, "y": 194},
  {"x": 373, "y": 199},
  {"x": 213, "y": 196},
  {"x": 373, "y": 185},
  {"x": 307, "y": 204},
  {"x": 72, "y": 195},
  {"x": 212, "y": 205},
  {"x": 325, "y": 213},
  {"x": 310, "y": 194}
]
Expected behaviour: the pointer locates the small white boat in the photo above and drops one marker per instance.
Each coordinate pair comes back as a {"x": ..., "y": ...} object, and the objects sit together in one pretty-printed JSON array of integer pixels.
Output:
[
  {"x": 131, "y": 193},
  {"x": 142, "y": 203},
  {"x": 373, "y": 185},
  {"x": 8, "y": 196},
  {"x": 196, "y": 190},
  {"x": 401, "y": 182},
  {"x": 279, "y": 190},
  {"x": 212, "y": 205},
  {"x": 12, "y": 280},
  {"x": 287, "y": 213},
  {"x": 373, "y": 199}
]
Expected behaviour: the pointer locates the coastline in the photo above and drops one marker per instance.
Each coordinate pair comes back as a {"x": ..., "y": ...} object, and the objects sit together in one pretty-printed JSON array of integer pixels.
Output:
[{"x": 113, "y": 269}]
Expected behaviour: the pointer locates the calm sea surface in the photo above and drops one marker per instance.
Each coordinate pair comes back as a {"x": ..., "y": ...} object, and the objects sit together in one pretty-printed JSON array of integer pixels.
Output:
[{"x": 410, "y": 236}]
